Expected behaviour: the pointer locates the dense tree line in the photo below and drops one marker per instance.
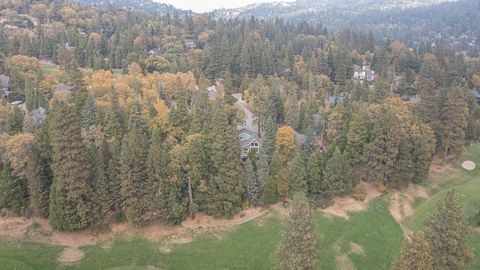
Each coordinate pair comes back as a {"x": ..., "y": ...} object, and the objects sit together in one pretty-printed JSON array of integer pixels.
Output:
[{"x": 134, "y": 134}]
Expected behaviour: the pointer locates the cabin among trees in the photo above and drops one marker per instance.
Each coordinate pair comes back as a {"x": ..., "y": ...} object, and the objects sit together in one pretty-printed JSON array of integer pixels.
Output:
[
  {"x": 248, "y": 131},
  {"x": 249, "y": 141},
  {"x": 363, "y": 73}
]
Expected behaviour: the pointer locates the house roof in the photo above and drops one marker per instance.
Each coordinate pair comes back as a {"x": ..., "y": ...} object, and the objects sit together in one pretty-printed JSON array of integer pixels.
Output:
[
  {"x": 247, "y": 137},
  {"x": 212, "y": 92},
  {"x": 300, "y": 138},
  {"x": 333, "y": 100}
]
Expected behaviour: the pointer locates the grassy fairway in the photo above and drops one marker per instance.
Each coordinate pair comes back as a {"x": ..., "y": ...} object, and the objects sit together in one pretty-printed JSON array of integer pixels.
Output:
[
  {"x": 467, "y": 185},
  {"x": 374, "y": 230},
  {"x": 247, "y": 247},
  {"x": 368, "y": 240}
]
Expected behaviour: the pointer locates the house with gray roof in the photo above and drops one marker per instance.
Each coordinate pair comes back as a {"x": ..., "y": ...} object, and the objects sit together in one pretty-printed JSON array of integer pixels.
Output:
[
  {"x": 247, "y": 130},
  {"x": 334, "y": 100},
  {"x": 249, "y": 141}
]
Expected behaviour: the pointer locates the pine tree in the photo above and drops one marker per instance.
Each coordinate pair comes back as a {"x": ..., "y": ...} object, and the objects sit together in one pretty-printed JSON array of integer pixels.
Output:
[
  {"x": 115, "y": 121},
  {"x": 252, "y": 184},
  {"x": 114, "y": 134},
  {"x": 298, "y": 248},
  {"x": 428, "y": 106},
  {"x": 292, "y": 113},
  {"x": 315, "y": 172},
  {"x": 39, "y": 174},
  {"x": 357, "y": 138},
  {"x": 297, "y": 175},
  {"x": 70, "y": 204},
  {"x": 180, "y": 116},
  {"x": 268, "y": 144},
  {"x": 402, "y": 172},
  {"x": 416, "y": 254},
  {"x": 447, "y": 233},
  {"x": 198, "y": 171},
  {"x": 166, "y": 181},
  {"x": 78, "y": 88},
  {"x": 454, "y": 114},
  {"x": 278, "y": 176},
  {"x": 200, "y": 112},
  {"x": 12, "y": 191},
  {"x": 88, "y": 114},
  {"x": 423, "y": 148},
  {"x": 103, "y": 196},
  {"x": 338, "y": 175},
  {"x": 382, "y": 152},
  {"x": 225, "y": 187},
  {"x": 133, "y": 172},
  {"x": 381, "y": 90}
]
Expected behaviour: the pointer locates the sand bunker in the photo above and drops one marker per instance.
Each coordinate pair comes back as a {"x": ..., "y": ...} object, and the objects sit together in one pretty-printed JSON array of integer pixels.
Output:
[
  {"x": 70, "y": 255},
  {"x": 468, "y": 165},
  {"x": 341, "y": 206}
]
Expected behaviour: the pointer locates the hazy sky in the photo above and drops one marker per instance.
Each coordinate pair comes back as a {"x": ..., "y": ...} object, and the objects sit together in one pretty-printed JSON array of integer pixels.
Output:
[{"x": 209, "y": 5}]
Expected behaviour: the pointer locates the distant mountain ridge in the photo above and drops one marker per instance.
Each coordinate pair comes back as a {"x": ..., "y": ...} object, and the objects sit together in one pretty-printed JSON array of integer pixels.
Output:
[
  {"x": 297, "y": 10},
  {"x": 145, "y": 5},
  {"x": 456, "y": 22}
]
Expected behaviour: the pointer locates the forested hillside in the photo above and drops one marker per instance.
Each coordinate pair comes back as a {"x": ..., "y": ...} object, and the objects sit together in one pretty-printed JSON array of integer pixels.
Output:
[
  {"x": 119, "y": 114},
  {"x": 411, "y": 21}
]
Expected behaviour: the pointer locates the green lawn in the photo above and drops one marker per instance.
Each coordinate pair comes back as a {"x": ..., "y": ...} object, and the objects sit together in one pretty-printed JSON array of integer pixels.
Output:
[
  {"x": 250, "y": 245},
  {"x": 247, "y": 247},
  {"x": 467, "y": 185}
]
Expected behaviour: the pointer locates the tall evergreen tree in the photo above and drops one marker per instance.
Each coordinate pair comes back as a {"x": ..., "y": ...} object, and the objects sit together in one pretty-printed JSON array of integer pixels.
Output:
[
  {"x": 225, "y": 187},
  {"x": 39, "y": 174},
  {"x": 338, "y": 174},
  {"x": 13, "y": 191},
  {"x": 297, "y": 175},
  {"x": 114, "y": 134},
  {"x": 180, "y": 116},
  {"x": 165, "y": 182},
  {"x": 298, "y": 248},
  {"x": 198, "y": 171},
  {"x": 454, "y": 114},
  {"x": 78, "y": 87},
  {"x": 423, "y": 148},
  {"x": 428, "y": 106},
  {"x": 357, "y": 138},
  {"x": 382, "y": 152},
  {"x": 70, "y": 204},
  {"x": 134, "y": 173},
  {"x": 88, "y": 114},
  {"x": 252, "y": 184},
  {"x": 315, "y": 172},
  {"x": 103, "y": 196},
  {"x": 447, "y": 233}
]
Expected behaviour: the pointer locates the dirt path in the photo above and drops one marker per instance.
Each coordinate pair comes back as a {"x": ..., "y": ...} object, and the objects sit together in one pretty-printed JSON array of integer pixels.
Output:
[
  {"x": 341, "y": 206},
  {"x": 401, "y": 202},
  {"x": 38, "y": 230}
]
